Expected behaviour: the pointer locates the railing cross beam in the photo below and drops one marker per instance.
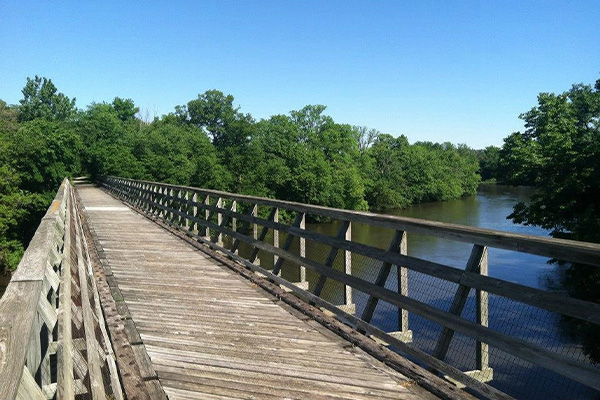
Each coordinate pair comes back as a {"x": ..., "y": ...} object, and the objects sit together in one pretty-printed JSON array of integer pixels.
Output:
[{"x": 331, "y": 258}]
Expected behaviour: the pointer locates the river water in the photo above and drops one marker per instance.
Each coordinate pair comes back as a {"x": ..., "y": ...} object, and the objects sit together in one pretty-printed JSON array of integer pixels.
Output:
[{"x": 488, "y": 209}]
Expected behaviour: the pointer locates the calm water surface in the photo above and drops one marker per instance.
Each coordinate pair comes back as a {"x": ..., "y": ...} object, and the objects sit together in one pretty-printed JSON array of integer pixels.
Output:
[{"x": 488, "y": 209}]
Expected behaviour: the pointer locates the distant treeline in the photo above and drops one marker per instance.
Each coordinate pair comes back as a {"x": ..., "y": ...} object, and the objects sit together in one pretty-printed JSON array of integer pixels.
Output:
[{"x": 303, "y": 156}]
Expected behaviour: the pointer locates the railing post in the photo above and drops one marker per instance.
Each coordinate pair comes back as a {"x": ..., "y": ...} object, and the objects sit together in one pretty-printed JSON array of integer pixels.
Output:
[
  {"x": 207, "y": 216},
  {"x": 172, "y": 204},
  {"x": 219, "y": 221},
  {"x": 194, "y": 225},
  {"x": 187, "y": 223},
  {"x": 303, "y": 254},
  {"x": 255, "y": 231},
  {"x": 234, "y": 220},
  {"x": 403, "y": 333},
  {"x": 161, "y": 202},
  {"x": 275, "y": 234},
  {"x": 348, "y": 301},
  {"x": 302, "y": 282},
  {"x": 482, "y": 299},
  {"x": 478, "y": 262}
]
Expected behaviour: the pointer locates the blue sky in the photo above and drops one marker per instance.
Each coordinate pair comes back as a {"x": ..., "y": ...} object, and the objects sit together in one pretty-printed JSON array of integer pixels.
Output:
[{"x": 458, "y": 71}]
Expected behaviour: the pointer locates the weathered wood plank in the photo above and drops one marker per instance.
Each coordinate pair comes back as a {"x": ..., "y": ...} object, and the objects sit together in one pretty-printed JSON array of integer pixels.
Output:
[
  {"x": 29, "y": 389},
  {"x": 459, "y": 301},
  {"x": 172, "y": 323},
  {"x": 20, "y": 299}
]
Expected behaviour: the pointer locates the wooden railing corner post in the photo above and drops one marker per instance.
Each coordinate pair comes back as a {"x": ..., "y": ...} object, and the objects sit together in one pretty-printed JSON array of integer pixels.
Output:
[{"x": 207, "y": 216}]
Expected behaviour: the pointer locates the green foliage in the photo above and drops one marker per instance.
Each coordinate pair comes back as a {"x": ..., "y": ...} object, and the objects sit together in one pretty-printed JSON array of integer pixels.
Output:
[
  {"x": 8, "y": 118},
  {"x": 488, "y": 162},
  {"x": 125, "y": 108},
  {"x": 558, "y": 153},
  {"x": 20, "y": 213},
  {"x": 180, "y": 155},
  {"x": 402, "y": 174},
  {"x": 109, "y": 141},
  {"x": 561, "y": 148},
  {"x": 42, "y": 100},
  {"x": 214, "y": 112},
  {"x": 43, "y": 153},
  {"x": 304, "y": 156}
]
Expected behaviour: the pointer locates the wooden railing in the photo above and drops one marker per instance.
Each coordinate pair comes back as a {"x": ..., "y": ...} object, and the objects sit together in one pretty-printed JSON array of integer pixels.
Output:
[
  {"x": 53, "y": 341},
  {"x": 228, "y": 222}
]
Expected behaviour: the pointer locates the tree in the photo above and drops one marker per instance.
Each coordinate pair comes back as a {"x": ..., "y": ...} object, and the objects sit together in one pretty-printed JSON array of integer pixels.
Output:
[
  {"x": 42, "y": 100},
  {"x": 180, "y": 155},
  {"x": 20, "y": 214},
  {"x": 214, "y": 112},
  {"x": 43, "y": 153},
  {"x": 559, "y": 153},
  {"x": 562, "y": 141},
  {"x": 517, "y": 152},
  {"x": 20, "y": 210},
  {"x": 8, "y": 117},
  {"x": 365, "y": 137},
  {"x": 401, "y": 174},
  {"x": 125, "y": 108},
  {"x": 488, "y": 162},
  {"x": 109, "y": 142},
  {"x": 307, "y": 157}
]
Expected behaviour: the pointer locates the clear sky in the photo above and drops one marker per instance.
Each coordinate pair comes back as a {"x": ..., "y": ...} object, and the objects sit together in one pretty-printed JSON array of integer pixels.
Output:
[{"x": 458, "y": 71}]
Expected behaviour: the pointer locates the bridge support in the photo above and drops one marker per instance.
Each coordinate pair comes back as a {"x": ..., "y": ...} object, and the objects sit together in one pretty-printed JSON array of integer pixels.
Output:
[{"x": 478, "y": 262}]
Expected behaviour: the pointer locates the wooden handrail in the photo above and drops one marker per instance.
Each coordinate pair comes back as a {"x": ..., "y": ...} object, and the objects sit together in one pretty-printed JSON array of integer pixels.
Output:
[
  {"x": 24, "y": 302},
  {"x": 208, "y": 215},
  {"x": 562, "y": 249},
  {"x": 41, "y": 342}
]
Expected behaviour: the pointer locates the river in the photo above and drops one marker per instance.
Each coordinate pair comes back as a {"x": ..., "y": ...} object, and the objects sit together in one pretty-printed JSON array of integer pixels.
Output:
[{"x": 488, "y": 209}]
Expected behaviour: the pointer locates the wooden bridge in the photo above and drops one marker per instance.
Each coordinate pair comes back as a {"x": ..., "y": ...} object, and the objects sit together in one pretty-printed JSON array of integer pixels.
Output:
[{"x": 143, "y": 290}]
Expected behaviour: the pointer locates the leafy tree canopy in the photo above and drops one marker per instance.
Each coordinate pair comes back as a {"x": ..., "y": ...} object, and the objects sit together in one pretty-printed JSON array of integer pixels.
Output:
[
  {"x": 125, "y": 108},
  {"x": 42, "y": 100},
  {"x": 558, "y": 153},
  {"x": 302, "y": 156}
]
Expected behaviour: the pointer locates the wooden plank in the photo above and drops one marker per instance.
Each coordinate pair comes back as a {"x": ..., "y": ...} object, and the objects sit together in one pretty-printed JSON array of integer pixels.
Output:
[
  {"x": 133, "y": 385},
  {"x": 20, "y": 299},
  {"x": 416, "y": 372},
  {"x": 47, "y": 312},
  {"x": 160, "y": 308},
  {"x": 65, "y": 381},
  {"x": 141, "y": 356},
  {"x": 459, "y": 301},
  {"x": 89, "y": 323},
  {"x": 343, "y": 229},
  {"x": 348, "y": 300},
  {"x": 384, "y": 272},
  {"x": 28, "y": 388},
  {"x": 482, "y": 356}
]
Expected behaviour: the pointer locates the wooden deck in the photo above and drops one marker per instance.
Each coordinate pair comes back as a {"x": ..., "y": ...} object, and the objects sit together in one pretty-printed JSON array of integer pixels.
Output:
[{"x": 211, "y": 334}]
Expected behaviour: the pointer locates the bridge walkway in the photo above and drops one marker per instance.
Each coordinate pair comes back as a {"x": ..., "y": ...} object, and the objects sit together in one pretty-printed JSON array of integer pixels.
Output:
[{"x": 209, "y": 333}]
